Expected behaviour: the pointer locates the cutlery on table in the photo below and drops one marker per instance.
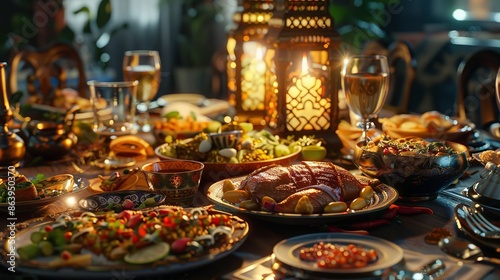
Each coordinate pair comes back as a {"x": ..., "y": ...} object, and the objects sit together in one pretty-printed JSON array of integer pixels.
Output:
[
  {"x": 431, "y": 270},
  {"x": 465, "y": 250},
  {"x": 479, "y": 224}
]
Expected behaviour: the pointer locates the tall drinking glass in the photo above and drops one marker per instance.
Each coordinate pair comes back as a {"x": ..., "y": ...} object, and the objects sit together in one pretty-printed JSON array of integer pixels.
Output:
[
  {"x": 365, "y": 82},
  {"x": 143, "y": 66},
  {"x": 114, "y": 106}
]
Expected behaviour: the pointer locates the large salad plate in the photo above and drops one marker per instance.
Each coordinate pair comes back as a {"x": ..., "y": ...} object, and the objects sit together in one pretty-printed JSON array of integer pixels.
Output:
[
  {"x": 384, "y": 196},
  {"x": 58, "y": 192},
  {"x": 217, "y": 171},
  {"x": 103, "y": 268},
  {"x": 388, "y": 253}
]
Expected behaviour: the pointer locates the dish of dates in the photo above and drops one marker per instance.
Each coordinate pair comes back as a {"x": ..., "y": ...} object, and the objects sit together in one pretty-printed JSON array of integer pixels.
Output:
[{"x": 367, "y": 254}]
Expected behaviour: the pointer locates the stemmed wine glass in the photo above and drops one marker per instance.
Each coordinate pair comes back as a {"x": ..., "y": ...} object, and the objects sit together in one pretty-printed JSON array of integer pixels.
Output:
[
  {"x": 495, "y": 128},
  {"x": 143, "y": 66},
  {"x": 365, "y": 83}
]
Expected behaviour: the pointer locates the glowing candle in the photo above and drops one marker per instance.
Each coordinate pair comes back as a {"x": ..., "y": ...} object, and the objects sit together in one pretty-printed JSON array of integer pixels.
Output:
[{"x": 307, "y": 109}]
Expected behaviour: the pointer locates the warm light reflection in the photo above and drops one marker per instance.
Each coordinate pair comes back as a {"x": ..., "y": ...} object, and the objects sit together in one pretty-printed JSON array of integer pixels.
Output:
[
  {"x": 71, "y": 201},
  {"x": 305, "y": 67}
]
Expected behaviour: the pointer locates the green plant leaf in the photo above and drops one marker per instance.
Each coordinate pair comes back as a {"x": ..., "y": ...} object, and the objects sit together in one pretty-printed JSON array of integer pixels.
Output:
[
  {"x": 103, "y": 13},
  {"x": 82, "y": 10}
]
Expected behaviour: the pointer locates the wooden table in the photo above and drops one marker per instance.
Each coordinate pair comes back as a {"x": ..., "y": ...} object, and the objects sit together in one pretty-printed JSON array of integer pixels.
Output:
[{"x": 406, "y": 231}]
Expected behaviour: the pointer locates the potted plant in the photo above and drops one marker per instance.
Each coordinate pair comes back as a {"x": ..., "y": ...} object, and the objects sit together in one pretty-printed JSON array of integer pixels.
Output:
[{"x": 196, "y": 41}]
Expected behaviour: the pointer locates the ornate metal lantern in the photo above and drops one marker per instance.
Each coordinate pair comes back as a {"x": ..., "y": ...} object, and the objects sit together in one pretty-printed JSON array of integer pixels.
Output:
[
  {"x": 303, "y": 78},
  {"x": 246, "y": 68}
]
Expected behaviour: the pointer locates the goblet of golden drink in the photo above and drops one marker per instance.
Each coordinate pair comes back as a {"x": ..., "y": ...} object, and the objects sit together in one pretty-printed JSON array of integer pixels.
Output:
[
  {"x": 143, "y": 66},
  {"x": 365, "y": 83}
]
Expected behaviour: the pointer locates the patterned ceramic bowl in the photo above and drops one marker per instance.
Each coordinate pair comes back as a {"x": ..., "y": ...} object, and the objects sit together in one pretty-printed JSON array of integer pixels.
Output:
[
  {"x": 108, "y": 201},
  {"x": 179, "y": 180},
  {"x": 225, "y": 139}
]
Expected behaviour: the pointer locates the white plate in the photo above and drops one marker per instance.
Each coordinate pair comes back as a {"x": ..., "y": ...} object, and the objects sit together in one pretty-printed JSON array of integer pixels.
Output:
[
  {"x": 389, "y": 254},
  {"x": 384, "y": 196},
  {"x": 193, "y": 98},
  {"x": 208, "y": 107}
]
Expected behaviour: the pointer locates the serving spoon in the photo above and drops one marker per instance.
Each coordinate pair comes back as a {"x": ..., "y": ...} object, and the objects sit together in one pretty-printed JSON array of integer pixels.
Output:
[{"x": 465, "y": 250}]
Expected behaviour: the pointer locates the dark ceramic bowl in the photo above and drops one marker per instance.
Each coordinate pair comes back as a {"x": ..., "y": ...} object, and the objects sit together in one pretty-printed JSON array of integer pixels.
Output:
[
  {"x": 178, "y": 180},
  {"x": 415, "y": 177},
  {"x": 112, "y": 201}
]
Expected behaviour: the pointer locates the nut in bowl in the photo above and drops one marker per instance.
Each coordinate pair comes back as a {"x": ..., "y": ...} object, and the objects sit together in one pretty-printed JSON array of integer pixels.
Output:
[
  {"x": 432, "y": 125},
  {"x": 418, "y": 169},
  {"x": 179, "y": 180}
]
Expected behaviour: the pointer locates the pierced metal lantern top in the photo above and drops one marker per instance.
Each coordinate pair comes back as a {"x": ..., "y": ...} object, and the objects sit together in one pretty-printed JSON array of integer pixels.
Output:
[{"x": 304, "y": 23}]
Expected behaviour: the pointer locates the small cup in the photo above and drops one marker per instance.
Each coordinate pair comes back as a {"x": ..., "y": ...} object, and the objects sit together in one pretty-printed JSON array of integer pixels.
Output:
[
  {"x": 113, "y": 104},
  {"x": 179, "y": 180}
]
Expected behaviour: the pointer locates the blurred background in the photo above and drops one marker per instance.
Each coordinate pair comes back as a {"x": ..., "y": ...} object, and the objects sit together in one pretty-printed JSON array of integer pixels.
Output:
[{"x": 191, "y": 36}]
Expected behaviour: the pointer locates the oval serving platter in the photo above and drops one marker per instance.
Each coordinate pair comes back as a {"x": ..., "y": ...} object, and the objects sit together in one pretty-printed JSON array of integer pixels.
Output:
[
  {"x": 383, "y": 198},
  {"x": 104, "y": 268}
]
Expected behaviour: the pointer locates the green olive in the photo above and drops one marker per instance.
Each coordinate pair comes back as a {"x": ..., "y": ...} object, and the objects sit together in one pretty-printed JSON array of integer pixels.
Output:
[
  {"x": 358, "y": 203},
  {"x": 335, "y": 207},
  {"x": 366, "y": 193}
]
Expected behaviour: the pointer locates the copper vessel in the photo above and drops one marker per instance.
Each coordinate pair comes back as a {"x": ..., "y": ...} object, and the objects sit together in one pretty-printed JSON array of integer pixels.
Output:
[{"x": 12, "y": 148}]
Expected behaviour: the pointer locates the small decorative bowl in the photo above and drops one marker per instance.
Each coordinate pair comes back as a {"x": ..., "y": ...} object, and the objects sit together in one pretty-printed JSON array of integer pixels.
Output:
[
  {"x": 113, "y": 201},
  {"x": 61, "y": 182},
  {"x": 225, "y": 139},
  {"x": 178, "y": 180},
  {"x": 415, "y": 177}
]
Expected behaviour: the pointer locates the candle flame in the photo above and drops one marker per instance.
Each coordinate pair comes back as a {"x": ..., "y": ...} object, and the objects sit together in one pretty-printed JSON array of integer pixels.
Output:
[
  {"x": 305, "y": 67},
  {"x": 259, "y": 54}
]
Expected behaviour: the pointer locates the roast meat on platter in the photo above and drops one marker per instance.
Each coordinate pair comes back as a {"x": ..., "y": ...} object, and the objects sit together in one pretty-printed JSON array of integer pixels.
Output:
[{"x": 321, "y": 182}]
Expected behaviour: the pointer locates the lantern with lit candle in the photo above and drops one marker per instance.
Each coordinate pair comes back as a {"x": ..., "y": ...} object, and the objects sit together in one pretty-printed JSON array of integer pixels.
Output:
[
  {"x": 246, "y": 67},
  {"x": 302, "y": 82}
]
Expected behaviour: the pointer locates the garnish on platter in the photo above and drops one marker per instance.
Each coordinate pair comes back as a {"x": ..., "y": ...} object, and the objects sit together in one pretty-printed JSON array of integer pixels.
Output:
[
  {"x": 162, "y": 235},
  {"x": 305, "y": 188},
  {"x": 411, "y": 146},
  {"x": 253, "y": 145}
]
